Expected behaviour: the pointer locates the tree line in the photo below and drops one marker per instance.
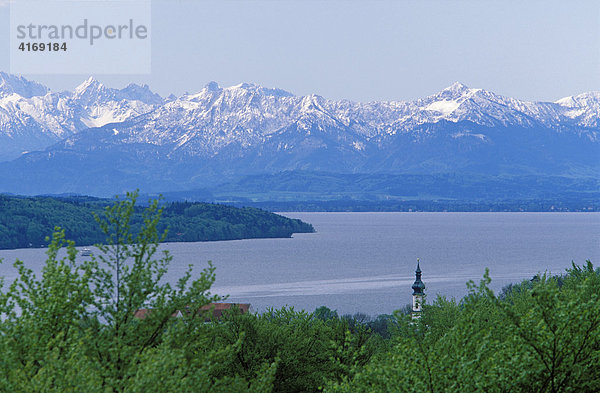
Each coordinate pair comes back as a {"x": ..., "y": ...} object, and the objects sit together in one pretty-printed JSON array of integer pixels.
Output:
[
  {"x": 74, "y": 329},
  {"x": 26, "y": 222}
]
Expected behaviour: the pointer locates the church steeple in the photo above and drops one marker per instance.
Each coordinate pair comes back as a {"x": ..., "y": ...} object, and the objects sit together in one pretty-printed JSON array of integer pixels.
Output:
[
  {"x": 418, "y": 293},
  {"x": 418, "y": 286}
]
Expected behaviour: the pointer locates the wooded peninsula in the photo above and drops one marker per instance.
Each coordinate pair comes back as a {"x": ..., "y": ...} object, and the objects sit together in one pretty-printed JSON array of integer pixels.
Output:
[{"x": 27, "y": 221}]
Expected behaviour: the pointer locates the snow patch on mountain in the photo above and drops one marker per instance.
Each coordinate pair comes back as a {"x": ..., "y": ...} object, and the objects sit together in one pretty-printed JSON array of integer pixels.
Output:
[
  {"x": 467, "y": 133},
  {"x": 444, "y": 107}
]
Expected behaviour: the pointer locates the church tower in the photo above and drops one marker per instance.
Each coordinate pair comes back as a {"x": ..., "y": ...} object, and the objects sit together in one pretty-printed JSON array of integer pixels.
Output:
[{"x": 418, "y": 294}]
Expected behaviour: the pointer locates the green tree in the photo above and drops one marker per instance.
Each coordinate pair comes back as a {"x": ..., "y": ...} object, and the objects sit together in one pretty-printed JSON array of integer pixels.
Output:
[
  {"x": 75, "y": 329},
  {"x": 127, "y": 276},
  {"x": 557, "y": 327},
  {"x": 308, "y": 349},
  {"x": 544, "y": 337},
  {"x": 41, "y": 319}
]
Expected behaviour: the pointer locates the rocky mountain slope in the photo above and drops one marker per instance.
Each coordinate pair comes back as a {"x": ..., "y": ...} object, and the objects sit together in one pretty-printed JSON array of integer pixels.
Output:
[{"x": 32, "y": 117}]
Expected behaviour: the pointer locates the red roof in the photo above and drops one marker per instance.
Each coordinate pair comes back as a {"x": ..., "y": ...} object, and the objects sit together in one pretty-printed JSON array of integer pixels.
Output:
[{"x": 216, "y": 309}]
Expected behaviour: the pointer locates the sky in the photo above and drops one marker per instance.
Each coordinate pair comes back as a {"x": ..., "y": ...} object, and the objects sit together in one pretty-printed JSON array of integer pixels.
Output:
[{"x": 364, "y": 50}]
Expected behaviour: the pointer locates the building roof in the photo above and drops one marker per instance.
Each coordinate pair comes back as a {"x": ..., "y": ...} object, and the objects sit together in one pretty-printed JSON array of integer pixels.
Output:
[{"x": 212, "y": 310}]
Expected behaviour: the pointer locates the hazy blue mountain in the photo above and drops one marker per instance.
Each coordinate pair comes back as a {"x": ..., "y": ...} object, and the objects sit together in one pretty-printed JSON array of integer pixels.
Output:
[{"x": 101, "y": 141}]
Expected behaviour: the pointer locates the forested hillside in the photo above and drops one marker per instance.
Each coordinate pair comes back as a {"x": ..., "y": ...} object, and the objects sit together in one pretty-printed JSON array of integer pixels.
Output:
[{"x": 26, "y": 222}]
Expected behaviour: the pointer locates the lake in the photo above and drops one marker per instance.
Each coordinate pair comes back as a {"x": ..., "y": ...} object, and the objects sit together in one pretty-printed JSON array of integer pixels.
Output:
[{"x": 365, "y": 262}]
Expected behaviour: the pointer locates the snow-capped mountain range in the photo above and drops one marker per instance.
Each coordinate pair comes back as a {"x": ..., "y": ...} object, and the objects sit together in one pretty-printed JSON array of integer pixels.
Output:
[
  {"x": 32, "y": 117},
  {"x": 248, "y": 129}
]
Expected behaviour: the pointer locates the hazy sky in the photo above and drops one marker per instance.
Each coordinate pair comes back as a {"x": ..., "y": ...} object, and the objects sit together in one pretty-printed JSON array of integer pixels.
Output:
[{"x": 366, "y": 50}]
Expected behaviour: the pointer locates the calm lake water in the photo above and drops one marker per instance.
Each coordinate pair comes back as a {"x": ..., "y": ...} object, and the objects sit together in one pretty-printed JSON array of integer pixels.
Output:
[{"x": 365, "y": 262}]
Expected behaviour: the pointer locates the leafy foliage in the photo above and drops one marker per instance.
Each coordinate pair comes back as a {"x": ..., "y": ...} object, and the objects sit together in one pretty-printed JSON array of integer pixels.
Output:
[
  {"x": 74, "y": 329},
  {"x": 308, "y": 350},
  {"x": 544, "y": 337}
]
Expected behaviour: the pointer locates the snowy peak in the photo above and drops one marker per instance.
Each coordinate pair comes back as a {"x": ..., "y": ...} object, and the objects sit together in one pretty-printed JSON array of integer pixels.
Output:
[
  {"x": 141, "y": 93},
  {"x": 90, "y": 84},
  {"x": 454, "y": 103},
  {"x": 100, "y": 105},
  {"x": 456, "y": 88},
  {"x": 12, "y": 84},
  {"x": 244, "y": 99},
  {"x": 583, "y": 108},
  {"x": 91, "y": 91},
  {"x": 212, "y": 87},
  {"x": 591, "y": 98},
  {"x": 244, "y": 88},
  {"x": 276, "y": 92},
  {"x": 312, "y": 102},
  {"x": 458, "y": 92},
  {"x": 459, "y": 103}
]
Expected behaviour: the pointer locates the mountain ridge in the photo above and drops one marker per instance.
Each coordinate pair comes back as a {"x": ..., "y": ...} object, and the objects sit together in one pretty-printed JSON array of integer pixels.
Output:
[
  {"x": 219, "y": 133},
  {"x": 39, "y": 117}
]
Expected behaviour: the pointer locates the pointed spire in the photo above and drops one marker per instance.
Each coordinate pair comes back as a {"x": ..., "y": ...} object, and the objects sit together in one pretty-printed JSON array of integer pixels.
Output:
[{"x": 418, "y": 286}]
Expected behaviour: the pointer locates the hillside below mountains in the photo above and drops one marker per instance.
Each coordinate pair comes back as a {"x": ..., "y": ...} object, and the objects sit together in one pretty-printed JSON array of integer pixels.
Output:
[{"x": 27, "y": 222}]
